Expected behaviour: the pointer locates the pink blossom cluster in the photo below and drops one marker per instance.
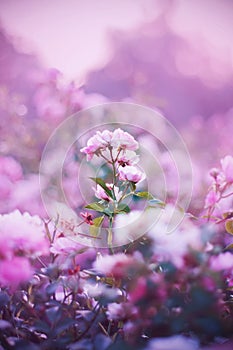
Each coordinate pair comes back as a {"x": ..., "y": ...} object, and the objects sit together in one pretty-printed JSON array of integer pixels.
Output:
[
  {"x": 219, "y": 199},
  {"x": 22, "y": 238},
  {"x": 10, "y": 173},
  {"x": 118, "y": 139},
  {"x": 117, "y": 148},
  {"x": 69, "y": 252}
]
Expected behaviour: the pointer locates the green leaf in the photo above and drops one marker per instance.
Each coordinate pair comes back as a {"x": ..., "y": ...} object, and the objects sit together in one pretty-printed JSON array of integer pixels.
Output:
[
  {"x": 122, "y": 208},
  {"x": 95, "y": 229},
  {"x": 156, "y": 201},
  {"x": 108, "y": 212},
  {"x": 146, "y": 195},
  {"x": 101, "y": 182},
  {"x": 229, "y": 226},
  {"x": 96, "y": 206}
]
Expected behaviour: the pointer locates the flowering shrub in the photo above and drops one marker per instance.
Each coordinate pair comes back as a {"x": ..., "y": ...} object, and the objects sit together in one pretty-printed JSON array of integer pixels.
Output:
[
  {"x": 156, "y": 290},
  {"x": 219, "y": 200}
]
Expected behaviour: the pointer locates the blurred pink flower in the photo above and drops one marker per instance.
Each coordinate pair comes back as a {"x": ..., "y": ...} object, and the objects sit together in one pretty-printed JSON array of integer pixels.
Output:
[
  {"x": 227, "y": 167},
  {"x": 175, "y": 245},
  {"x": 22, "y": 233},
  {"x": 131, "y": 173},
  {"x": 67, "y": 247},
  {"x": 115, "y": 265},
  {"x": 10, "y": 168},
  {"x": 223, "y": 261},
  {"x": 5, "y": 187},
  {"x": 15, "y": 271},
  {"x": 176, "y": 342},
  {"x": 120, "y": 311},
  {"x": 26, "y": 196},
  {"x": 64, "y": 245},
  {"x": 140, "y": 291}
]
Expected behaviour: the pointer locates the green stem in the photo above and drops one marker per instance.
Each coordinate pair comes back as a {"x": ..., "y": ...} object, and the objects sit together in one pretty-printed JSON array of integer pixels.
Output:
[
  {"x": 124, "y": 195},
  {"x": 110, "y": 236}
]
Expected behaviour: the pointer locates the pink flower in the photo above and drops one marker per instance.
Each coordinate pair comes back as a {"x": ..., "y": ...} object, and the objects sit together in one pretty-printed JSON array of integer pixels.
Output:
[
  {"x": 5, "y": 187},
  {"x": 128, "y": 158},
  {"x": 123, "y": 140},
  {"x": 116, "y": 190},
  {"x": 214, "y": 172},
  {"x": 176, "y": 342},
  {"x": 22, "y": 233},
  {"x": 227, "y": 167},
  {"x": 67, "y": 250},
  {"x": 101, "y": 194},
  {"x": 88, "y": 218},
  {"x": 131, "y": 173},
  {"x": 223, "y": 261},
  {"x": 118, "y": 140},
  {"x": 140, "y": 291},
  {"x": 120, "y": 311},
  {"x": 64, "y": 245},
  {"x": 10, "y": 168},
  {"x": 97, "y": 143},
  {"x": 14, "y": 271},
  {"x": 115, "y": 265}
]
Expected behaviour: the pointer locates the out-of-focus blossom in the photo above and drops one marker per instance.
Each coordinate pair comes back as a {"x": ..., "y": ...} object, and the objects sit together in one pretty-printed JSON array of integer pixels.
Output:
[
  {"x": 131, "y": 173},
  {"x": 223, "y": 261},
  {"x": 22, "y": 233},
  {"x": 140, "y": 291},
  {"x": 64, "y": 245},
  {"x": 54, "y": 98},
  {"x": 175, "y": 245},
  {"x": 68, "y": 250},
  {"x": 10, "y": 168},
  {"x": 227, "y": 168},
  {"x": 120, "y": 311},
  {"x": 176, "y": 342},
  {"x": 65, "y": 218},
  {"x": 5, "y": 187},
  {"x": 15, "y": 271},
  {"x": 26, "y": 196},
  {"x": 115, "y": 265},
  {"x": 98, "y": 289}
]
